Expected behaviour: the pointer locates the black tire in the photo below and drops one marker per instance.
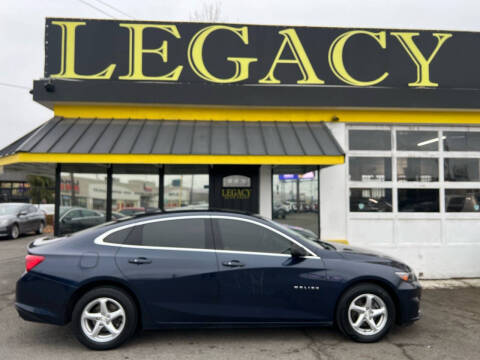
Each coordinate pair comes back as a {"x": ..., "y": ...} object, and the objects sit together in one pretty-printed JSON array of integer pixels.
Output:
[
  {"x": 131, "y": 318},
  {"x": 342, "y": 316},
  {"x": 41, "y": 227},
  {"x": 14, "y": 232}
]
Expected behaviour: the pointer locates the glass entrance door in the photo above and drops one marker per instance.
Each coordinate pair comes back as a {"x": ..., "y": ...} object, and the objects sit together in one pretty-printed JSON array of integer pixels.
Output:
[{"x": 295, "y": 201}]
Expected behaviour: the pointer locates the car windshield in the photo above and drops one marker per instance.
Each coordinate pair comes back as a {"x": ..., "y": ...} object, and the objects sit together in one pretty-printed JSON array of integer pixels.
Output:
[
  {"x": 9, "y": 209},
  {"x": 64, "y": 209},
  {"x": 298, "y": 234}
]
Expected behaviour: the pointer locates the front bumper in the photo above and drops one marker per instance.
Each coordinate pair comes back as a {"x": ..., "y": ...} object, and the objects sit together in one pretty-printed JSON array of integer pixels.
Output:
[
  {"x": 409, "y": 296},
  {"x": 5, "y": 230}
]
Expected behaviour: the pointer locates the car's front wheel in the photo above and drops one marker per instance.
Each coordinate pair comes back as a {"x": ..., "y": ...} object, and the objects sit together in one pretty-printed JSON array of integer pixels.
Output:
[
  {"x": 365, "y": 313},
  {"x": 104, "y": 318}
]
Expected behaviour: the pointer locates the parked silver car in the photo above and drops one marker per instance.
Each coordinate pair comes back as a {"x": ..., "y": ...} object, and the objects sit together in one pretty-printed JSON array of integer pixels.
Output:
[{"x": 20, "y": 218}]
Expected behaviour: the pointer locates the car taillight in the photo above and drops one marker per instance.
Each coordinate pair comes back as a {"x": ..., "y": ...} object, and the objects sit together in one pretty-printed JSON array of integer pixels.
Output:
[{"x": 32, "y": 260}]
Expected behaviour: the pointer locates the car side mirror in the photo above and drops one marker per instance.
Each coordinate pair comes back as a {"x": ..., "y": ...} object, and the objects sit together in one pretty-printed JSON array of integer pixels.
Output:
[
  {"x": 298, "y": 252},
  {"x": 22, "y": 213}
]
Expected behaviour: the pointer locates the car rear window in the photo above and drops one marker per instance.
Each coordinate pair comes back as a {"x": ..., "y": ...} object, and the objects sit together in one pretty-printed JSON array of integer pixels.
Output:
[{"x": 118, "y": 237}]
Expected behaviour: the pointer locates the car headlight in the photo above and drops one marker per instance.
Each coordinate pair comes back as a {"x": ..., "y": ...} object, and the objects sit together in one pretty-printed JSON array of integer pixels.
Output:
[
  {"x": 3, "y": 222},
  {"x": 407, "y": 276}
]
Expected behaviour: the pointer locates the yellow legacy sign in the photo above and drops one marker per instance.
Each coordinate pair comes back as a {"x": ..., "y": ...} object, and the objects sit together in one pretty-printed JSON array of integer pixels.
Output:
[
  {"x": 227, "y": 54},
  {"x": 236, "y": 194}
]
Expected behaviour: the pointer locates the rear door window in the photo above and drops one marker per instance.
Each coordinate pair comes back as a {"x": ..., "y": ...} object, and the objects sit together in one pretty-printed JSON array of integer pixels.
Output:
[{"x": 175, "y": 233}]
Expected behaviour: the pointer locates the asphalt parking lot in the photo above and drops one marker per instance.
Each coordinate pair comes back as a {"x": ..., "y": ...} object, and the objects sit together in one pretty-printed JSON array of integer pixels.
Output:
[{"x": 449, "y": 329}]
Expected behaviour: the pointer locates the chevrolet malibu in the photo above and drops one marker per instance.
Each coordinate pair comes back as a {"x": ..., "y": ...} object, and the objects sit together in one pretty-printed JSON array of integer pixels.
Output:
[{"x": 209, "y": 269}]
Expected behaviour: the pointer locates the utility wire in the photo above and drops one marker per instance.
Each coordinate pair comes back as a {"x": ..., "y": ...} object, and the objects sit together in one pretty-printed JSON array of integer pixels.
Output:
[
  {"x": 97, "y": 8},
  {"x": 115, "y": 9},
  {"x": 14, "y": 86}
]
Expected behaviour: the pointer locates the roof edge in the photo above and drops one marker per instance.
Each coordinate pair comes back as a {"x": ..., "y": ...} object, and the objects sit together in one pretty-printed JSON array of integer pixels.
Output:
[{"x": 66, "y": 158}]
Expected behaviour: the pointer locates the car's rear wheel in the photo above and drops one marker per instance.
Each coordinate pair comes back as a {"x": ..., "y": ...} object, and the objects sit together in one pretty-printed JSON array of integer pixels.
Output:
[
  {"x": 14, "y": 231},
  {"x": 365, "y": 313},
  {"x": 104, "y": 318},
  {"x": 40, "y": 228}
]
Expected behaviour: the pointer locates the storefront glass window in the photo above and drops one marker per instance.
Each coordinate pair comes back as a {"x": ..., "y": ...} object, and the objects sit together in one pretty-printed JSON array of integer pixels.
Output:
[
  {"x": 462, "y": 200},
  {"x": 461, "y": 141},
  {"x": 83, "y": 201},
  {"x": 295, "y": 200},
  {"x": 418, "y": 200},
  {"x": 371, "y": 200},
  {"x": 462, "y": 169},
  {"x": 134, "y": 193},
  {"x": 187, "y": 191},
  {"x": 370, "y": 169},
  {"x": 417, "y": 140},
  {"x": 369, "y": 140},
  {"x": 417, "y": 169},
  {"x": 14, "y": 192}
]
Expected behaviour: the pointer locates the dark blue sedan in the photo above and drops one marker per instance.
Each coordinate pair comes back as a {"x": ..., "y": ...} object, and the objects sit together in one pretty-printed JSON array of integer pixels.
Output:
[{"x": 209, "y": 269}]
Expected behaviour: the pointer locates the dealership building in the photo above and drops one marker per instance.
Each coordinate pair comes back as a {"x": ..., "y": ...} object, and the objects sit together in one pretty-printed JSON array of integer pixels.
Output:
[{"x": 369, "y": 137}]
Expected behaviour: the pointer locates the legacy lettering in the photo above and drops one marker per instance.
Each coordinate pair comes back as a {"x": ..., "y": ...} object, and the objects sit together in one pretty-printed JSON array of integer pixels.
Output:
[{"x": 291, "y": 52}]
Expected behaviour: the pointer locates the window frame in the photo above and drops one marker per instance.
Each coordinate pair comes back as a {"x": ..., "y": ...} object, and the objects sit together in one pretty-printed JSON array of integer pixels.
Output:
[
  {"x": 99, "y": 240},
  {"x": 441, "y": 184}
]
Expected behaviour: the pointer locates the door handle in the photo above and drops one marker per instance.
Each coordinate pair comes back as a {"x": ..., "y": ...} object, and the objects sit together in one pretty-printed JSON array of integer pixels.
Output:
[
  {"x": 140, "y": 261},
  {"x": 233, "y": 263}
]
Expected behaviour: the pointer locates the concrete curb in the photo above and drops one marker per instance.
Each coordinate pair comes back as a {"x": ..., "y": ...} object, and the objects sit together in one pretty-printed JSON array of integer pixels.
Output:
[{"x": 450, "y": 283}]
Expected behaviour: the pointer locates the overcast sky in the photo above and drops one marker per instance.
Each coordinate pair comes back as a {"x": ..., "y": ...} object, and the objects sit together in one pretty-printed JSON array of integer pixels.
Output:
[{"x": 22, "y": 31}]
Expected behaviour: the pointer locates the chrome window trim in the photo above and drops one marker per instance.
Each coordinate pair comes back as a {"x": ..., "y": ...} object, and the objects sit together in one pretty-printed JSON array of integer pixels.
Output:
[{"x": 99, "y": 240}]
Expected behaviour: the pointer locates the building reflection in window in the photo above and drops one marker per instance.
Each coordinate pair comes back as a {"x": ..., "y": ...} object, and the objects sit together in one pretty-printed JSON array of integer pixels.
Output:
[
  {"x": 186, "y": 192},
  {"x": 133, "y": 194},
  {"x": 295, "y": 200},
  {"x": 83, "y": 201}
]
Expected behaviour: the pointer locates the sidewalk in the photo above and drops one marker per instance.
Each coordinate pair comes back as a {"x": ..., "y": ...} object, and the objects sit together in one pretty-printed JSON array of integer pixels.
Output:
[{"x": 450, "y": 283}]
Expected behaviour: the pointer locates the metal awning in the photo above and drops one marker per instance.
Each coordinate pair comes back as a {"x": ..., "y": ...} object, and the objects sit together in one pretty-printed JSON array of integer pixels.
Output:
[{"x": 116, "y": 141}]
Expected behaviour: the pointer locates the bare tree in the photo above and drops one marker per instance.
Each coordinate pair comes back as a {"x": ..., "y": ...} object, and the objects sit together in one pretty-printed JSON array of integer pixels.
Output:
[{"x": 209, "y": 12}]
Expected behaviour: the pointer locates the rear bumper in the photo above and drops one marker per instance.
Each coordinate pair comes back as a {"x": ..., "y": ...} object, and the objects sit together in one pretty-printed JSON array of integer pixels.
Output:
[
  {"x": 409, "y": 295},
  {"x": 42, "y": 299},
  {"x": 30, "y": 313}
]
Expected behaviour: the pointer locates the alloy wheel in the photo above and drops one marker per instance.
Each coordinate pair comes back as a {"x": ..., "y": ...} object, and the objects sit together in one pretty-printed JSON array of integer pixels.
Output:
[
  {"x": 103, "y": 319},
  {"x": 15, "y": 233},
  {"x": 367, "y": 314}
]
